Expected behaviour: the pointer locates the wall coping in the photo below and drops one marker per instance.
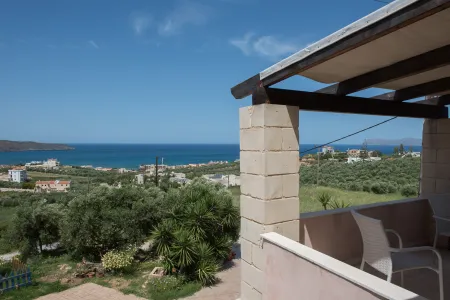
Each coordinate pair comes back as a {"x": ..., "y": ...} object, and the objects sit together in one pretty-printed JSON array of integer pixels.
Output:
[
  {"x": 365, "y": 280},
  {"x": 319, "y": 213}
]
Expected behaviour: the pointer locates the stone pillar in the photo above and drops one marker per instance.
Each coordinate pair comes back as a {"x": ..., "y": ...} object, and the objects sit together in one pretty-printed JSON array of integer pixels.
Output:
[
  {"x": 435, "y": 159},
  {"x": 269, "y": 185}
]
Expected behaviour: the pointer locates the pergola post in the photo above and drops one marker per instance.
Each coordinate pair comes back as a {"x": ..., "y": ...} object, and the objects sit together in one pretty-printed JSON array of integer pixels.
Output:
[
  {"x": 269, "y": 160},
  {"x": 435, "y": 174}
]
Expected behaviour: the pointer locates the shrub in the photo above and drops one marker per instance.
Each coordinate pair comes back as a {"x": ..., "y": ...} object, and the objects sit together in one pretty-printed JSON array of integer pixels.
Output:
[
  {"x": 355, "y": 186},
  {"x": 409, "y": 190},
  {"x": 117, "y": 260},
  {"x": 335, "y": 204},
  {"x": 379, "y": 188},
  {"x": 391, "y": 188},
  {"x": 367, "y": 187},
  {"x": 197, "y": 235},
  {"x": 108, "y": 219},
  {"x": 35, "y": 224}
]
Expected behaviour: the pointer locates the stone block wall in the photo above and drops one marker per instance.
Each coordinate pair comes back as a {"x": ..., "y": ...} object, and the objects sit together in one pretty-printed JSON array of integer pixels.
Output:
[
  {"x": 435, "y": 168},
  {"x": 269, "y": 159}
]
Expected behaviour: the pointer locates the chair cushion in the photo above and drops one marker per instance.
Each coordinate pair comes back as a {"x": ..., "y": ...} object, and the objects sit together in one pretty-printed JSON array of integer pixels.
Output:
[{"x": 414, "y": 260}]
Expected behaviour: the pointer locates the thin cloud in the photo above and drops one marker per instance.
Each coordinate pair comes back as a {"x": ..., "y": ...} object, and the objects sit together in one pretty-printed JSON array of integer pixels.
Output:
[
  {"x": 140, "y": 22},
  {"x": 268, "y": 46},
  {"x": 184, "y": 14},
  {"x": 93, "y": 44}
]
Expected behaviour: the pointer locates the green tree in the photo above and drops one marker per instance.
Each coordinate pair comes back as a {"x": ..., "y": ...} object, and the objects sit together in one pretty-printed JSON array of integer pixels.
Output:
[
  {"x": 410, "y": 150},
  {"x": 35, "y": 224},
  {"x": 111, "y": 218},
  {"x": 401, "y": 149},
  {"x": 364, "y": 153},
  {"x": 396, "y": 151}
]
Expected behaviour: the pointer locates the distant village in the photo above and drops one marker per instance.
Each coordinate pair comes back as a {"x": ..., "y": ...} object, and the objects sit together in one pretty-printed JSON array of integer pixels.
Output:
[{"x": 18, "y": 174}]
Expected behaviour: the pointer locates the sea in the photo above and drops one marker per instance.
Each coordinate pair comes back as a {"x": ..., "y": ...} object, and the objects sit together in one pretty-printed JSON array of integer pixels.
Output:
[{"x": 132, "y": 155}]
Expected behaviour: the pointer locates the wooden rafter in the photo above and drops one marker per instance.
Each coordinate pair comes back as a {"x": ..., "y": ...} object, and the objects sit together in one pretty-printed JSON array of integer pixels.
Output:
[
  {"x": 411, "y": 66},
  {"x": 428, "y": 88},
  {"x": 346, "y": 104}
]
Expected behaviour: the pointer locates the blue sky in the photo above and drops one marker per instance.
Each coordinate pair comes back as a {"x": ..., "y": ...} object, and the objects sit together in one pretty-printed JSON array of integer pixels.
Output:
[{"x": 160, "y": 71}]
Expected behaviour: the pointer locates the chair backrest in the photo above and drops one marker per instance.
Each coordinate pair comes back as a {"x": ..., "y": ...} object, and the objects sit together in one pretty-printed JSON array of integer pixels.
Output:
[
  {"x": 376, "y": 245},
  {"x": 440, "y": 205}
]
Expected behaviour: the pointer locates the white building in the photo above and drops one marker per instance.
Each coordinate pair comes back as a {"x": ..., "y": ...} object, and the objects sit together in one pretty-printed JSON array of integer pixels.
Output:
[
  {"x": 17, "y": 175},
  {"x": 140, "y": 178},
  {"x": 51, "y": 163},
  {"x": 327, "y": 149}
]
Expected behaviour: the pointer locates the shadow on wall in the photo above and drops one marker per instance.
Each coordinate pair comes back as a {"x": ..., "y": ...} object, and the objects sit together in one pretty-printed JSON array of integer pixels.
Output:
[{"x": 335, "y": 233}]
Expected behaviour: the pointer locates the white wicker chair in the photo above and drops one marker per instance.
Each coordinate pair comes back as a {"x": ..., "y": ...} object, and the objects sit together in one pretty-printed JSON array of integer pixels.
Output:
[
  {"x": 378, "y": 254},
  {"x": 440, "y": 204}
]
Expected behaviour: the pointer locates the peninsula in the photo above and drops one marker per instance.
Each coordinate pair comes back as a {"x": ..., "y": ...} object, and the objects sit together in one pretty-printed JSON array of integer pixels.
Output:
[{"x": 14, "y": 146}]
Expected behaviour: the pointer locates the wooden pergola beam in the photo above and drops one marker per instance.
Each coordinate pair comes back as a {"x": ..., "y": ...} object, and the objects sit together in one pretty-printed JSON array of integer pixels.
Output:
[
  {"x": 346, "y": 104},
  {"x": 404, "y": 17},
  {"x": 420, "y": 90},
  {"x": 411, "y": 66},
  {"x": 438, "y": 100}
]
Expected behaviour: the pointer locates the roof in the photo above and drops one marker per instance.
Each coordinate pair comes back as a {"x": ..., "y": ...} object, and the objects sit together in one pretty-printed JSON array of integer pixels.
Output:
[
  {"x": 53, "y": 182},
  {"x": 403, "y": 46}
]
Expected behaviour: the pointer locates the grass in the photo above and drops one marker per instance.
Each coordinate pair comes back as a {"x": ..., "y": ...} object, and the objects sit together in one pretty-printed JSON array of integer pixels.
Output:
[
  {"x": 47, "y": 273},
  {"x": 308, "y": 194}
]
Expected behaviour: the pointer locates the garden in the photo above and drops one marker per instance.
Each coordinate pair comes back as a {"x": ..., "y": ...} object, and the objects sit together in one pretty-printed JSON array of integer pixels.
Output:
[{"x": 151, "y": 242}]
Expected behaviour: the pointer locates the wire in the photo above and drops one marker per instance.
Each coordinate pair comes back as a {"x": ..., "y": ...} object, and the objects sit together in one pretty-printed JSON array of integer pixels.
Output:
[{"x": 378, "y": 124}]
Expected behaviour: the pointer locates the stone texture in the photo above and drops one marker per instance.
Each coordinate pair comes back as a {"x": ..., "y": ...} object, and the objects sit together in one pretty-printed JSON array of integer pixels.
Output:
[
  {"x": 262, "y": 187},
  {"x": 291, "y": 185},
  {"x": 429, "y": 155},
  {"x": 429, "y": 126},
  {"x": 251, "y": 230},
  {"x": 258, "y": 257},
  {"x": 267, "y": 115},
  {"x": 280, "y": 163},
  {"x": 255, "y": 139},
  {"x": 436, "y": 141},
  {"x": 270, "y": 163},
  {"x": 442, "y": 186},
  {"x": 428, "y": 186},
  {"x": 246, "y": 250},
  {"x": 252, "y": 276},
  {"x": 443, "y": 125},
  {"x": 443, "y": 171},
  {"x": 269, "y": 211},
  {"x": 428, "y": 170},
  {"x": 249, "y": 293},
  {"x": 443, "y": 156},
  {"x": 252, "y": 162},
  {"x": 290, "y": 140},
  {"x": 289, "y": 229}
]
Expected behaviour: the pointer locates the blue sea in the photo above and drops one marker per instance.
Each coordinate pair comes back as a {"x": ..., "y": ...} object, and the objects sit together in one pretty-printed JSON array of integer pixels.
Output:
[{"x": 133, "y": 155}]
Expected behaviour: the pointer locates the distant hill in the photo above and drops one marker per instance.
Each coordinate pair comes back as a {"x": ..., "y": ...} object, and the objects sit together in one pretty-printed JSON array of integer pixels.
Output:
[
  {"x": 404, "y": 141},
  {"x": 12, "y": 146}
]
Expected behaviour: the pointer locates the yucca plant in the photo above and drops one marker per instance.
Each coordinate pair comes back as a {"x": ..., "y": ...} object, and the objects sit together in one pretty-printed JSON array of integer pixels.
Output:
[
  {"x": 324, "y": 198},
  {"x": 335, "y": 204},
  {"x": 199, "y": 231},
  {"x": 163, "y": 237}
]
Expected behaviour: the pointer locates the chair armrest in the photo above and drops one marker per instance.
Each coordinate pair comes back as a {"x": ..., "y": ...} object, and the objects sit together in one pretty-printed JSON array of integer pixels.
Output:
[
  {"x": 400, "y": 242},
  {"x": 441, "y": 218},
  {"x": 423, "y": 248}
]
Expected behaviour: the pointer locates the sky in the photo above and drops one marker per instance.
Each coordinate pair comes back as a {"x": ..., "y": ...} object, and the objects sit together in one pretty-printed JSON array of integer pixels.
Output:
[{"x": 161, "y": 71}]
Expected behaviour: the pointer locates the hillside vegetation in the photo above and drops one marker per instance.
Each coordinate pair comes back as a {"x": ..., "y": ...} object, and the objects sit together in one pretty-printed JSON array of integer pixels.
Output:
[
  {"x": 379, "y": 177},
  {"x": 11, "y": 146}
]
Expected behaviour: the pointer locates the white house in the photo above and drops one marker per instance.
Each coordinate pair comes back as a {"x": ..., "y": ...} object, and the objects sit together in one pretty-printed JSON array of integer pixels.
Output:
[
  {"x": 51, "y": 163},
  {"x": 17, "y": 175}
]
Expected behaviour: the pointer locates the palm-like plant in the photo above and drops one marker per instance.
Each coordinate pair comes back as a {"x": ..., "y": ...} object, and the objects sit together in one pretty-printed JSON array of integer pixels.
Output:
[
  {"x": 203, "y": 226},
  {"x": 163, "y": 237},
  {"x": 183, "y": 249}
]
